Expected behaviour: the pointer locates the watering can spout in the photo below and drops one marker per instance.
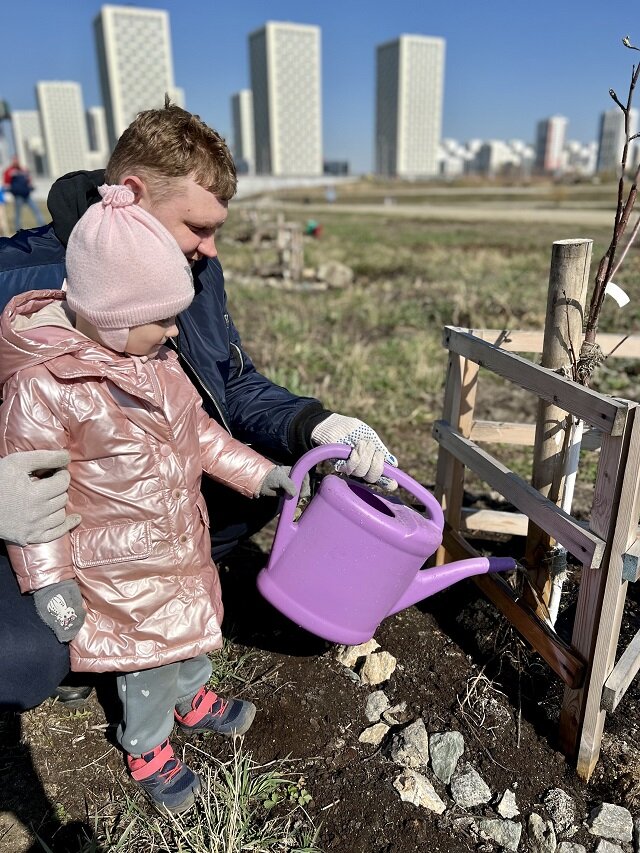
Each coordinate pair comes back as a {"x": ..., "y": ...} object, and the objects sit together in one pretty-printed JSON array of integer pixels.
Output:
[{"x": 429, "y": 581}]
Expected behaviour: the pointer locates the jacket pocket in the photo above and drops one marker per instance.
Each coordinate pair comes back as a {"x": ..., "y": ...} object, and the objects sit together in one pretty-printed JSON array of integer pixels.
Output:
[{"x": 115, "y": 543}]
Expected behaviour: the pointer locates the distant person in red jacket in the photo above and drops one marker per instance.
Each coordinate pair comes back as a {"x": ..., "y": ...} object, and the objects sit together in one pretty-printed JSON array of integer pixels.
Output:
[{"x": 17, "y": 181}]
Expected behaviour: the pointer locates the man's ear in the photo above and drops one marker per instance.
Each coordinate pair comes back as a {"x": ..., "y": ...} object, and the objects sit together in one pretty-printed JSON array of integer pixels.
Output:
[{"x": 137, "y": 187}]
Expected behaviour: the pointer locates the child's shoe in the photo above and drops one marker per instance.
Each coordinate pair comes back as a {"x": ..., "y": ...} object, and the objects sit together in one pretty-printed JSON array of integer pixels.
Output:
[
  {"x": 212, "y": 713},
  {"x": 168, "y": 782}
]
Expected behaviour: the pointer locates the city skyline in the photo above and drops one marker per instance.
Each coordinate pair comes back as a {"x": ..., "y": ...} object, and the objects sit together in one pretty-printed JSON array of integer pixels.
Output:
[{"x": 506, "y": 68}]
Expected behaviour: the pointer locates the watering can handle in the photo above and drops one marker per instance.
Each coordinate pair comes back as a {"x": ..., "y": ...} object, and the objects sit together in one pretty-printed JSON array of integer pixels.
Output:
[{"x": 343, "y": 451}]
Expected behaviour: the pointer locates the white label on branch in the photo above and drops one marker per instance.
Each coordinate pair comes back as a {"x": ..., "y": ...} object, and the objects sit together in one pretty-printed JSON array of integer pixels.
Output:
[{"x": 617, "y": 293}]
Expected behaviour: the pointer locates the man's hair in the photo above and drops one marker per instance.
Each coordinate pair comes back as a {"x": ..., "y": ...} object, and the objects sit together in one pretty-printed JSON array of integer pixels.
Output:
[{"x": 173, "y": 143}]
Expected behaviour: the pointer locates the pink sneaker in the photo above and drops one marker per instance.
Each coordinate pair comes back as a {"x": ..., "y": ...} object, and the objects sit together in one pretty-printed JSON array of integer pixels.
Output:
[
  {"x": 212, "y": 713},
  {"x": 168, "y": 782}
]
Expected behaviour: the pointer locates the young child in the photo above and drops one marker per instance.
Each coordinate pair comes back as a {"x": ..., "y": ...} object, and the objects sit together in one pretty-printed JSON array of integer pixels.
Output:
[{"x": 133, "y": 588}]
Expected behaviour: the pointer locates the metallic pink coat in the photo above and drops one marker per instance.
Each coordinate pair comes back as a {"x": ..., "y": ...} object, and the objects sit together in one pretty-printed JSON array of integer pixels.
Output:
[{"x": 139, "y": 440}]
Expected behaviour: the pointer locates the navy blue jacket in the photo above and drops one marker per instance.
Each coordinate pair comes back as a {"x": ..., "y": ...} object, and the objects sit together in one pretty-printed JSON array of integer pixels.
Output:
[{"x": 254, "y": 409}]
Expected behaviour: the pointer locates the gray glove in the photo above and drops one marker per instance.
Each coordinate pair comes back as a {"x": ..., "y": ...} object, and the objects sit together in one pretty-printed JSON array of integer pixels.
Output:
[
  {"x": 59, "y": 605},
  {"x": 32, "y": 508},
  {"x": 278, "y": 481},
  {"x": 369, "y": 452}
]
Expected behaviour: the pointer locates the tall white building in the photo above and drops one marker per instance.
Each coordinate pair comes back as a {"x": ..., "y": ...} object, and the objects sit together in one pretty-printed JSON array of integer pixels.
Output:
[
  {"x": 611, "y": 139},
  {"x": 550, "y": 136},
  {"x": 409, "y": 94},
  {"x": 243, "y": 134},
  {"x": 135, "y": 63},
  {"x": 28, "y": 141},
  {"x": 64, "y": 127},
  {"x": 98, "y": 139},
  {"x": 286, "y": 83}
]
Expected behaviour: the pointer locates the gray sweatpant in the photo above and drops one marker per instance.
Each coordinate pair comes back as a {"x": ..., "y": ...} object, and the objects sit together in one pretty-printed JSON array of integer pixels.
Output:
[{"x": 149, "y": 698}]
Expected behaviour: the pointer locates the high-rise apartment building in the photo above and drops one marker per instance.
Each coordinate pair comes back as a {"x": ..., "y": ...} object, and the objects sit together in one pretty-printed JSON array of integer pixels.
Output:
[
  {"x": 409, "y": 93},
  {"x": 135, "y": 63},
  {"x": 550, "y": 136},
  {"x": 611, "y": 140},
  {"x": 98, "y": 138},
  {"x": 28, "y": 141},
  {"x": 243, "y": 135},
  {"x": 64, "y": 127},
  {"x": 286, "y": 84}
]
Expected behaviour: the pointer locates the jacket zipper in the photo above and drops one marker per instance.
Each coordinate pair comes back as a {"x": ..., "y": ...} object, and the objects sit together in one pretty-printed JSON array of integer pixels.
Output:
[{"x": 203, "y": 386}]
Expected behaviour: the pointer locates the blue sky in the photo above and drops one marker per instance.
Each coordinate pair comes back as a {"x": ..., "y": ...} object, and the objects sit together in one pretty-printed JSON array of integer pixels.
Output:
[{"x": 508, "y": 64}]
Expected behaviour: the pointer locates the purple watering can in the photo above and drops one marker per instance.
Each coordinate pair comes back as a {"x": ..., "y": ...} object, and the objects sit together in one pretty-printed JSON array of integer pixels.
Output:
[{"x": 356, "y": 556}]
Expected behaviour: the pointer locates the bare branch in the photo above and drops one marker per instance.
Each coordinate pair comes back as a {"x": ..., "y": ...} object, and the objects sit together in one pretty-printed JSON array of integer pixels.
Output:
[{"x": 615, "y": 98}]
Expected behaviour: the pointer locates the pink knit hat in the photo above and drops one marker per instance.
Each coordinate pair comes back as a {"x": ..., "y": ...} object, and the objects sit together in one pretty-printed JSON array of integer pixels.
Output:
[{"x": 124, "y": 268}]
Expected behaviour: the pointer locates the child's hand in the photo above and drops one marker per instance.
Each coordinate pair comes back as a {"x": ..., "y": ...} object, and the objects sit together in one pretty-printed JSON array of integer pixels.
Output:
[
  {"x": 59, "y": 605},
  {"x": 278, "y": 481}
]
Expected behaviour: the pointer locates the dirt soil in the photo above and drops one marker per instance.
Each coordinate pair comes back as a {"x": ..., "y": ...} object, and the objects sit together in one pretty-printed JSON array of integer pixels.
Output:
[{"x": 459, "y": 668}]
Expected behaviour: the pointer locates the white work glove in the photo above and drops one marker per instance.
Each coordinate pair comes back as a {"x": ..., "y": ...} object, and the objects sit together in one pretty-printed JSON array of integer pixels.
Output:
[
  {"x": 59, "y": 605},
  {"x": 369, "y": 452},
  {"x": 32, "y": 508}
]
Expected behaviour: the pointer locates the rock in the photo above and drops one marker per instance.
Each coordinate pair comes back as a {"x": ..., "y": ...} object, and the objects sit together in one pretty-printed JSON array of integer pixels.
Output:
[
  {"x": 348, "y": 655},
  {"x": 636, "y": 834},
  {"x": 506, "y": 833},
  {"x": 377, "y": 668},
  {"x": 569, "y": 847},
  {"x": 612, "y": 822},
  {"x": 562, "y": 811},
  {"x": 542, "y": 837},
  {"x": 374, "y": 734},
  {"x": 377, "y": 704},
  {"x": 335, "y": 274},
  {"x": 410, "y": 747},
  {"x": 607, "y": 847},
  {"x": 469, "y": 789},
  {"x": 445, "y": 748},
  {"x": 507, "y": 807},
  {"x": 417, "y": 789},
  {"x": 396, "y": 715}
]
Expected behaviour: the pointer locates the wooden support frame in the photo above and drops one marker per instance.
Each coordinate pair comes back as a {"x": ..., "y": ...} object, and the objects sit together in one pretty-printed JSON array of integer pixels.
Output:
[{"x": 609, "y": 548}]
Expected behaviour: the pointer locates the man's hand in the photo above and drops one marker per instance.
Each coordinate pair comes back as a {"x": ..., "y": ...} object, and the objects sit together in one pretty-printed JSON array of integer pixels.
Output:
[
  {"x": 369, "y": 452},
  {"x": 59, "y": 605},
  {"x": 32, "y": 508}
]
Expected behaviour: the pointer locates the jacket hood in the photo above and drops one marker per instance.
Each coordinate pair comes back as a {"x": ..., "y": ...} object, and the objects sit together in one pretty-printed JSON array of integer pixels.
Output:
[
  {"x": 70, "y": 197},
  {"x": 24, "y": 342}
]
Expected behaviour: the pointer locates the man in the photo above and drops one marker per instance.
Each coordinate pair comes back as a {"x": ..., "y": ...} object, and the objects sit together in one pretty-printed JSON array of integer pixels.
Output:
[
  {"x": 17, "y": 180},
  {"x": 182, "y": 172}
]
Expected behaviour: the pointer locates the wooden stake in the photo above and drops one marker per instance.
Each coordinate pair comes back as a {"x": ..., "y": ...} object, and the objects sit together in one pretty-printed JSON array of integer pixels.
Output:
[{"x": 568, "y": 282}]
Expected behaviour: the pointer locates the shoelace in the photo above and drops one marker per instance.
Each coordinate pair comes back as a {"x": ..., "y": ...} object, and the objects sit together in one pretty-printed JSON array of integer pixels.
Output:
[
  {"x": 167, "y": 775},
  {"x": 221, "y": 709}
]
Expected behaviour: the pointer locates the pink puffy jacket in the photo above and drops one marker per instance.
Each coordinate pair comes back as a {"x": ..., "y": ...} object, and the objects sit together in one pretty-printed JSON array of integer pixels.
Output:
[{"x": 139, "y": 440}]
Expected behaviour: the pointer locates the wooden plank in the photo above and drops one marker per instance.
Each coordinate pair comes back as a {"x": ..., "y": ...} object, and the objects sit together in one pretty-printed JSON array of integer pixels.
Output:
[
  {"x": 494, "y": 521},
  {"x": 601, "y": 594},
  {"x": 458, "y": 408},
  {"x": 563, "y": 660},
  {"x": 507, "y": 432},
  {"x": 622, "y": 675},
  {"x": 624, "y": 508},
  {"x": 598, "y": 410},
  {"x": 583, "y": 544},
  {"x": 521, "y": 340}
]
